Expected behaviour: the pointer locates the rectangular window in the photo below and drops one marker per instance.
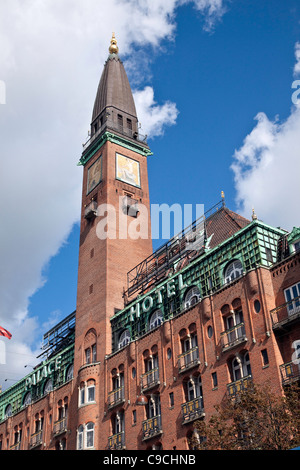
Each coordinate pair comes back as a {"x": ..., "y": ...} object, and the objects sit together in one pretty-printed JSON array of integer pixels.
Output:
[
  {"x": 171, "y": 399},
  {"x": 292, "y": 297},
  {"x": 264, "y": 356},
  {"x": 87, "y": 356},
  {"x": 134, "y": 417},
  {"x": 94, "y": 353},
  {"x": 214, "y": 379},
  {"x": 91, "y": 393}
]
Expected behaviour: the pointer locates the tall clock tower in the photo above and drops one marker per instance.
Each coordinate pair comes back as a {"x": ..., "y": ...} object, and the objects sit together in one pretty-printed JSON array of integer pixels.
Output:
[{"x": 115, "y": 232}]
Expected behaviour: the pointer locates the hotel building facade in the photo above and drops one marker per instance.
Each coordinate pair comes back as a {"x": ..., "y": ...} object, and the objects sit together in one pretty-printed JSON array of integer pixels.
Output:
[{"x": 157, "y": 338}]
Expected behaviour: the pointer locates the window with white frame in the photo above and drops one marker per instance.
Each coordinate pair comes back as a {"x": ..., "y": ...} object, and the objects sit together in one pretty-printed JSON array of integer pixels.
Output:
[
  {"x": 156, "y": 319},
  {"x": 194, "y": 388},
  {"x": 192, "y": 297},
  {"x": 292, "y": 297},
  {"x": 124, "y": 339},
  {"x": 85, "y": 436},
  {"x": 90, "y": 427},
  {"x": 87, "y": 392},
  {"x": 233, "y": 271},
  {"x": 241, "y": 366}
]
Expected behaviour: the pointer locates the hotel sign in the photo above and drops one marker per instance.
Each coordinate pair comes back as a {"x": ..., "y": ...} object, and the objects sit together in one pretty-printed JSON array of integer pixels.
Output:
[{"x": 43, "y": 372}]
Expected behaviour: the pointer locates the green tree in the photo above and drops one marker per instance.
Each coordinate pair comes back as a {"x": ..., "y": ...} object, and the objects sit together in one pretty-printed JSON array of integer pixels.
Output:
[{"x": 255, "y": 419}]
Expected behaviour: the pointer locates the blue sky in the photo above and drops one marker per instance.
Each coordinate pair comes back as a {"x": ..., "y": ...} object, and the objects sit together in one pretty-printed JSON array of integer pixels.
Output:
[{"x": 216, "y": 75}]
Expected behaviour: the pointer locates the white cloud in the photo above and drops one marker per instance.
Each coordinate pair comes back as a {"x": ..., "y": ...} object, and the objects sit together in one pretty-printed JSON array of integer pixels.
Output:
[
  {"x": 267, "y": 168},
  {"x": 51, "y": 61},
  {"x": 297, "y": 56},
  {"x": 153, "y": 117}
]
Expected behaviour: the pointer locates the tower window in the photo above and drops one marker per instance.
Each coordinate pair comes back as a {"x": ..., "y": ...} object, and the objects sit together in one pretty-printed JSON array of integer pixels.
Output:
[
  {"x": 120, "y": 122},
  {"x": 265, "y": 358}
]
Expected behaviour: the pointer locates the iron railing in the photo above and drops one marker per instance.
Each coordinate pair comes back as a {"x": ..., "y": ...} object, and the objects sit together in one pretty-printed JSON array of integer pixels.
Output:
[
  {"x": 116, "y": 441},
  {"x": 290, "y": 372},
  {"x": 233, "y": 336},
  {"x": 116, "y": 397},
  {"x": 192, "y": 410},
  {"x": 151, "y": 427},
  {"x": 36, "y": 439},
  {"x": 286, "y": 312},
  {"x": 234, "y": 388},
  {"x": 60, "y": 426},
  {"x": 188, "y": 359},
  {"x": 150, "y": 379}
]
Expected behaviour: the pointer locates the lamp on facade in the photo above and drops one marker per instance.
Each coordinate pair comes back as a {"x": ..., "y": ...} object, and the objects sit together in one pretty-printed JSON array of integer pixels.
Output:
[{"x": 142, "y": 400}]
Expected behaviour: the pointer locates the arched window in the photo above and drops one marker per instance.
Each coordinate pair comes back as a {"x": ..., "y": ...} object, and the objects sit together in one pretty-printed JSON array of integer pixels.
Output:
[
  {"x": 80, "y": 438},
  {"x": 69, "y": 373},
  {"x": 194, "y": 388},
  {"x": 233, "y": 271},
  {"x": 27, "y": 399},
  {"x": 124, "y": 339},
  {"x": 192, "y": 297},
  {"x": 48, "y": 386},
  {"x": 156, "y": 319},
  {"x": 241, "y": 366},
  {"x": 90, "y": 435},
  {"x": 8, "y": 411}
]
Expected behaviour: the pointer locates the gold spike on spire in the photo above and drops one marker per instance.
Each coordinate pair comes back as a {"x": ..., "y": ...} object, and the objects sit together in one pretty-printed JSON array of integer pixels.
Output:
[
  {"x": 223, "y": 198},
  {"x": 254, "y": 216},
  {"x": 113, "y": 48}
]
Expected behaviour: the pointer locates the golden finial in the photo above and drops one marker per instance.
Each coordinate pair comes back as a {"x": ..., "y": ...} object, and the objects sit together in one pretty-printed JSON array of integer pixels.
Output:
[
  {"x": 113, "y": 48},
  {"x": 223, "y": 198},
  {"x": 254, "y": 216}
]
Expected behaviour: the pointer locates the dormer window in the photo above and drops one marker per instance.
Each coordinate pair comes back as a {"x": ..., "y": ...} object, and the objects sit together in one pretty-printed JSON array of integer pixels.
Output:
[
  {"x": 124, "y": 339},
  {"x": 192, "y": 297},
  {"x": 233, "y": 271}
]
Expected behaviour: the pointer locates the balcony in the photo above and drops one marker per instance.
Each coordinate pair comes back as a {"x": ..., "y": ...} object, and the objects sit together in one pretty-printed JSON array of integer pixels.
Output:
[
  {"x": 290, "y": 372},
  {"x": 116, "y": 397},
  {"x": 16, "y": 446},
  {"x": 150, "y": 379},
  {"x": 90, "y": 211},
  {"x": 60, "y": 426},
  {"x": 192, "y": 410},
  {"x": 116, "y": 441},
  {"x": 151, "y": 427},
  {"x": 188, "y": 359},
  {"x": 239, "y": 385},
  {"x": 36, "y": 439},
  {"x": 233, "y": 337},
  {"x": 286, "y": 313}
]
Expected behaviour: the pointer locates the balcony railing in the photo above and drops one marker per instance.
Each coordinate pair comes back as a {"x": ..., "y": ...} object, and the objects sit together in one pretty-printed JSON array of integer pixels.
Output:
[
  {"x": 36, "y": 439},
  {"x": 286, "y": 313},
  {"x": 233, "y": 336},
  {"x": 151, "y": 427},
  {"x": 150, "y": 379},
  {"x": 192, "y": 410},
  {"x": 116, "y": 397},
  {"x": 60, "y": 426},
  {"x": 290, "y": 372},
  {"x": 116, "y": 441},
  {"x": 16, "y": 446},
  {"x": 188, "y": 359},
  {"x": 239, "y": 385}
]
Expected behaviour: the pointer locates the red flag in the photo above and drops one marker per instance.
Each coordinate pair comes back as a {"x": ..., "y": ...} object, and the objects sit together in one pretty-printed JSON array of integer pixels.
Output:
[{"x": 4, "y": 332}]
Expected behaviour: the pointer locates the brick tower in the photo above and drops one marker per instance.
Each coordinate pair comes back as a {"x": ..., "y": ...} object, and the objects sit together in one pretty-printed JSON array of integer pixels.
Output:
[{"x": 115, "y": 232}]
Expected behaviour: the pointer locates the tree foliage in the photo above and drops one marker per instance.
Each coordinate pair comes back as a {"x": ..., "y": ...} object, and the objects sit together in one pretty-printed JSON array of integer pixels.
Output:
[{"x": 255, "y": 419}]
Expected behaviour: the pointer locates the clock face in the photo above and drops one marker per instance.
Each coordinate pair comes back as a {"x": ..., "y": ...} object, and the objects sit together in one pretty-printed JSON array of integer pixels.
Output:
[
  {"x": 128, "y": 170},
  {"x": 94, "y": 175}
]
